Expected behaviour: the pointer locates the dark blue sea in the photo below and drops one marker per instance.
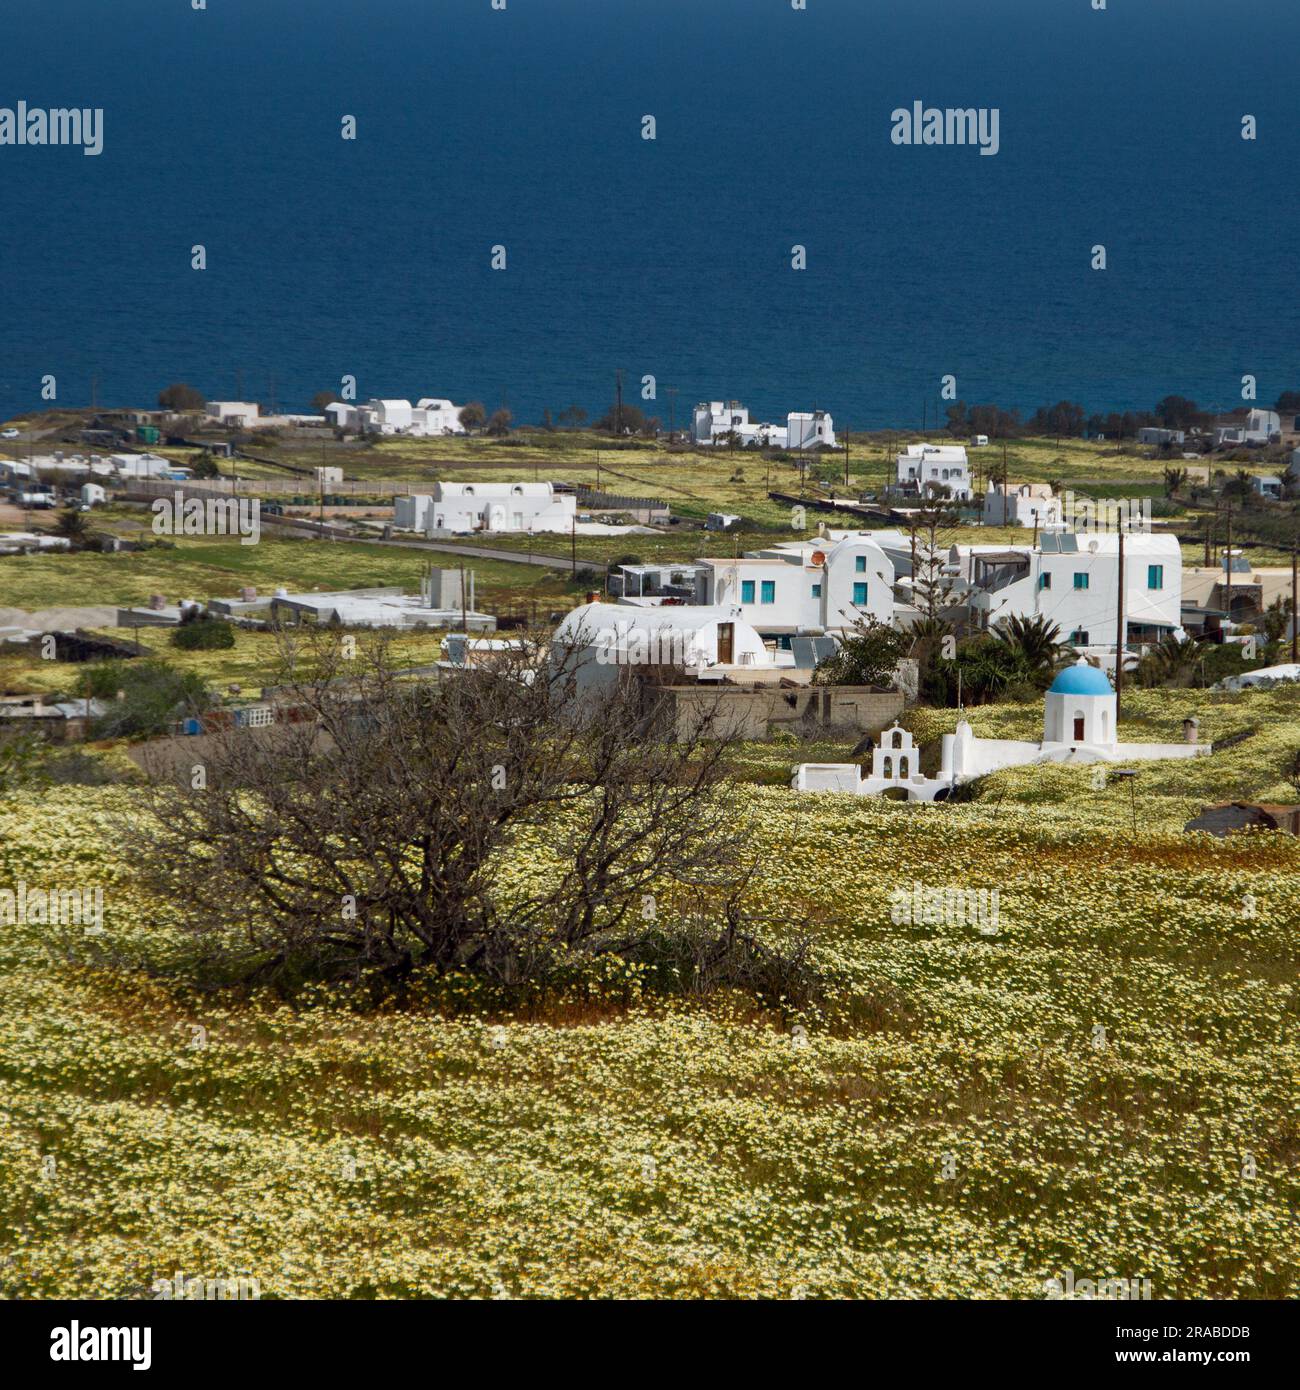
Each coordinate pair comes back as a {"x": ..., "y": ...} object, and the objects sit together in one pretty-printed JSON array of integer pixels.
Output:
[{"x": 671, "y": 257}]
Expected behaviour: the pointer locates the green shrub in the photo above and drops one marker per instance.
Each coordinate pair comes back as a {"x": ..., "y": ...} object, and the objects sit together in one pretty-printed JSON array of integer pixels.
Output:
[{"x": 204, "y": 635}]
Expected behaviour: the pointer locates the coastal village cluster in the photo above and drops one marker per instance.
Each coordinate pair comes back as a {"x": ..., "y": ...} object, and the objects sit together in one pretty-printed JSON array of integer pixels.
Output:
[{"x": 748, "y": 631}]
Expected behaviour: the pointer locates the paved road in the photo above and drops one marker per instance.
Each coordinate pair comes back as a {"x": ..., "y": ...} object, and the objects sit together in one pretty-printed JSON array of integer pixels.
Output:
[
  {"x": 515, "y": 557},
  {"x": 469, "y": 552}
]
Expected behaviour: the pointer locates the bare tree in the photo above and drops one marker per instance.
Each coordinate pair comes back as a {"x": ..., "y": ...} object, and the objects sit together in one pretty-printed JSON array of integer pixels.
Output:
[{"x": 506, "y": 821}]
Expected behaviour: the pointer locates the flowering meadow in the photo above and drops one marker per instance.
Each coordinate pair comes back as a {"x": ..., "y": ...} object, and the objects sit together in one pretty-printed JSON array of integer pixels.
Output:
[{"x": 1105, "y": 1082}]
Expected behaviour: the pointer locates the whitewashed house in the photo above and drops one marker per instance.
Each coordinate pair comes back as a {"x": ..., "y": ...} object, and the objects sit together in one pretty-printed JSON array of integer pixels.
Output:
[
  {"x": 232, "y": 415},
  {"x": 144, "y": 466},
  {"x": 342, "y": 416},
  {"x": 603, "y": 640},
  {"x": 387, "y": 417},
  {"x": 1072, "y": 580},
  {"x": 1256, "y": 427},
  {"x": 433, "y": 416},
  {"x": 930, "y": 468},
  {"x": 12, "y": 471},
  {"x": 1021, "y": 504},
  {"x": 805, "y": 588},
  {"x": 809, "y": 430},
  {"x": 430, "y": 416},
  {"x": 461, "y": 508},
  {"x": 715, "y": 422}
]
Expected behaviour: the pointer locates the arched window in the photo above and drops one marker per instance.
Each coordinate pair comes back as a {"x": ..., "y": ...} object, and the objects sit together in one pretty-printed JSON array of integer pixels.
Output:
[
  {"x": 889, "y": 767},
  {"x": 517, "y": 490},
  {"x": 469, "y": 491},
  {"x": 902, "y": 767}
]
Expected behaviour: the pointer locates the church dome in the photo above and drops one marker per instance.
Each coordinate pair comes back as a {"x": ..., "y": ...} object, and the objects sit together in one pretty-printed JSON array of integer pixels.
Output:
[{"x": 1081, "y": 679}]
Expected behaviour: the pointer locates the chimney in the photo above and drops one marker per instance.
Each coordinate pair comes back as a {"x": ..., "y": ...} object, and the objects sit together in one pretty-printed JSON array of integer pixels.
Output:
[
  {"x": 248, "y": 594},
  {"x": 592, "y": 596},
  {"x": 1191, "y": 730},
  {"x": 157, "y": 602}
]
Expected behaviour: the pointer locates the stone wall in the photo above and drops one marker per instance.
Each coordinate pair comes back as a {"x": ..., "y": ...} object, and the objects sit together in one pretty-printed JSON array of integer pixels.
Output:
[{"x": 808, "y": 711}]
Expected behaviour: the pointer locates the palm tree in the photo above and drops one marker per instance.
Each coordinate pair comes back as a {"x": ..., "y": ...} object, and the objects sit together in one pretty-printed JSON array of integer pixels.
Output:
[
  {"x": 1171, "y": 662},
  {"x": 1036, "y": 640},
  {"x": 991, "y": 668}
]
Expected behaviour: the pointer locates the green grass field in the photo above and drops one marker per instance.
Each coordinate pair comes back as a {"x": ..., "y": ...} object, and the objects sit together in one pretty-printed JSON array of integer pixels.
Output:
[{"x": 1106, "y": 1083}]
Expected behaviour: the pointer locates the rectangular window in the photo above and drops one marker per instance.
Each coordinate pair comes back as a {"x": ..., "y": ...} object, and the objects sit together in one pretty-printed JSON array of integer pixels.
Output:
[
  {"x": 1045, "y": 580},
  {"x": 860, "y": 564},
  {"x": 1155, "y": 576},
  {"x": 860, "y": 595},
  {"x": 817, "y": 591},
  {"x": 746, "y": 591},
  {"x": 769, "y": 590},
  {"x": 1080, "y": 580}
]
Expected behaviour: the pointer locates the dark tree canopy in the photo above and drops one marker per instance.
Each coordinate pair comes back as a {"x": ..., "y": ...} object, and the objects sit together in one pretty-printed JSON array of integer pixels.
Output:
[{"x": 182, "y": 399}]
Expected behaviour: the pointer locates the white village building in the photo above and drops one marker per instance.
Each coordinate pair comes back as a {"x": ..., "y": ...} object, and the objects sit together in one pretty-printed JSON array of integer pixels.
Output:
[
  {"x": 930, "y": 468},
  {"x": 1021, "y": 504},
  {"x": 715, "y": 422},
  {"x": 386, "y": 417},
  {"x": 1072, "y": 580},
  {"x": 232, "y": 415},
  {"x": 705, "y": 643},
  {"x": 461, "y": 508},
  {"x": 430, "y": 416},
  {"x": 806, "y": 587},
  {"x": 145, "y": 466},
  {"x": 1255, "y": 427},
  {"x": 1079, "y": 726}
]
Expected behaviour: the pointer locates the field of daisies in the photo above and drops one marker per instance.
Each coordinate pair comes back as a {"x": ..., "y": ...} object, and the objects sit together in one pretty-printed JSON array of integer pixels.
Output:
[{"x": 1104, "y": 1081}]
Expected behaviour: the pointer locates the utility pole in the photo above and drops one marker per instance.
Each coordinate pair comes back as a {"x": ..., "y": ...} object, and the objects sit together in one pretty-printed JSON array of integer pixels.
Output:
[
  {"x": 618, "y": 396},
  {"x": 672, "y": 413},
  {"x": 574, "y": 542},
  {"x": 1119, "y": 631},
  {"x": 1295, "y": 611},
  {"x": 1227, "y": 560}
]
